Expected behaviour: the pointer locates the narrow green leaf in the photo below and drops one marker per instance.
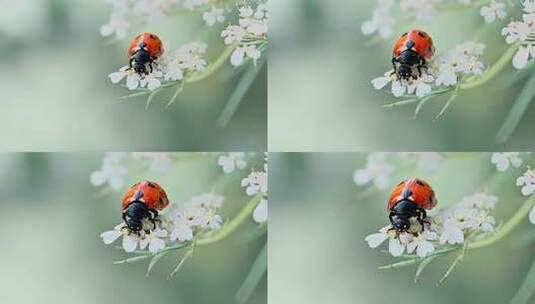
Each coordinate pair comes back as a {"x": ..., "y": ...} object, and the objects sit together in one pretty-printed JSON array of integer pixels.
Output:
[
  {"x": 134, "y": 95},
  {"x": 448, "y": 103},
  {"x": 257, "y": 272},
  {"x": 457, "y": 260},
  {"x": 179, "y": 89},
  {"x": 420, "y": 105},
  {"x": 151, "y": 96},
  {"x": 527, "y": 289},
  {"x": 155, "y": 259},
  {"x": 401, "y": 103},
  {"x": 133, "y": 259},
  {"x": 517, "y": 111},
  {"x": 399, "y": 264},
  {"x": 239, "y": 93},
  {"x": 422, "y": 266},
  {"x": 186, "y": 256}
]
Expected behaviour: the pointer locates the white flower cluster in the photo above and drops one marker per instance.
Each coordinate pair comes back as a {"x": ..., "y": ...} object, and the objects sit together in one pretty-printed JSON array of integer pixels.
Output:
[
  {"x": 469, "y": 219},
  {"x": 523, "y": 33},
  {"x": 379, "y": 167},
  {"x": 527, "y": 182},
  {"x": 170, "y": 67},
  {"x": 232, "y": 161},
  {"x": 113, "y": 171},
  {"x": 383, "y": 21},
  {"x": 174, "y": 227},
  {"x": 153, "y": 11},
  {"x": 257, "y": 183},
  {"x": 248, "y": 34},
  {"x": 505, "y": 160},
  {"x": 446, "y": 71}
]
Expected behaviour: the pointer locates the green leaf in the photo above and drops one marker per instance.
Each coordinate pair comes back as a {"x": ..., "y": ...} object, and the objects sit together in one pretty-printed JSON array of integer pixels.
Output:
[
  {"x": 239, "y": 93},
  {"x": 179, "y": 89},
  {"x": 448, "y": 103},
  {"x": 420, "y": 105},
  {"x": 520, "y": 106},
  {"x": 155, "y": 260},
  {"x": 457, "y": 260},
  {"x": 399, "y": 264},
  {"x": 527, "y": 289},
  {"x": 422, "y": 266},
  {"x": 186, "y": 256},
  {"x": 133, "y": 259},
  {"x": 257, "y": 272}
]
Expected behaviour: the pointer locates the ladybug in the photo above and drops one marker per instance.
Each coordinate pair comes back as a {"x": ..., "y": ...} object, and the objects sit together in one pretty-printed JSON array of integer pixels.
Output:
[
  {"x": 410, "y": 198},
  {"x": 143, "y": 51},
  {"x": 412, "y": 50},
  {"x": 142, "y": 201}
]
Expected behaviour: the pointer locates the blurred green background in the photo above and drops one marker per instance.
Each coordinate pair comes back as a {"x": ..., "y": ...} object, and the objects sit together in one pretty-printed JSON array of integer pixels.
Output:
[
  {"x": 321, "y": 98},
  {"x": 56, "y": 95},
  {"x": 52, "y": 253},
  {"x": 319, "y": 219}
]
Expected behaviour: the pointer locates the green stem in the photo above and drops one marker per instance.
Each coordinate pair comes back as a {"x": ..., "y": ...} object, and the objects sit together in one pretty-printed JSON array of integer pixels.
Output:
[
  {"x": 493, "y": 70},
  {"x": 508, "y": 227},
  {"x": 212, "y": 68},
  {"x": 244, "y": 214}
]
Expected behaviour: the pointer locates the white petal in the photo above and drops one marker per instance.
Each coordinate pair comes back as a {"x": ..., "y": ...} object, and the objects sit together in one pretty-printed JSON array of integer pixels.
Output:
[
  {"x": 520, "y": 60},
  {"x": 376, "y": 239},
  {"x": 260, "y": 214},
  {"x": 237, "y": 56},
  {"x": 109, "y": 237},
  {"x": 532, "y": 215},
  {"x": 395, "y": 248},
  {"x": 117, "y": 76},
  {"x": 132, "y": 81},
  {"x": 424, "y": 249},
  {"x": 129, "y": 243},
  {"x": 156, "y": 245},
  {"x": 98, "y": 178},
  {"x": 380, "y": 82},
  {"x": 398, "y": 89}
]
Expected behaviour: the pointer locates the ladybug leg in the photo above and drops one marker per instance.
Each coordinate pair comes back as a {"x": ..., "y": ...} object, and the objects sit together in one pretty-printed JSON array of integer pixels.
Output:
[
  {"x": 394, "y": 72},
  {"x": 153, "y": 217},
  {"x": 422, "y": 215},
  {"x": 130, "y": 62}
]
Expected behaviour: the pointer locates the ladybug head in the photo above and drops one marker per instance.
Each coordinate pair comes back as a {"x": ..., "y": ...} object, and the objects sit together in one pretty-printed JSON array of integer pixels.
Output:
[
  {"x": 134, "y": 215},
  {"x": 405, "y": 71},
  {"x": 141, "y": 58},
  {"x": 401, "y": 223}
]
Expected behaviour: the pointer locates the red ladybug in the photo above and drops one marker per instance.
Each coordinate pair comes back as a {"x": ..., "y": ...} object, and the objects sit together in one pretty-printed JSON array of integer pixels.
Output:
[
  {"x": 142, "y": 201},
  {"x": 412, "y": 50},
  {"x": 409, "y": 199},
  {"x": 143, "y": 50}
]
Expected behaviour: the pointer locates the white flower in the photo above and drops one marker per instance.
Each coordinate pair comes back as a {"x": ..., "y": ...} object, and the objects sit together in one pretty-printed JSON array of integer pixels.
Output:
[
  {"x": 112, "y": 172},
  {"x": 527, "y": 181},
  {"x": 423, "y": 9},
  {"x": 427, "y": 161},
  {"x": 260, "y": 214},
  {"x": 256, "y": 182},
  {"x": 495, "y": 10},
  {"x": 232, "y": 161},
  {"x": 151, "y": 81},
  {"x": 117, "y": 25},
  {"x": 130, "y": 241},
  {"x": 532, "y": 216},
  {"x": 395, "y": 245},
  {"x": 213, "y": 16},
  {"x": 132, "y": 78},
  {"x": 504, "y": 160},
  {"x": 206, "y": 200},
  {"x": 419, "y": 87},
  {"x": 382, "y": 20},
  {"x": 479, "y": 200},
  {"x": 159, "y": 161},
  {"x": 240, "y": 53},
  {"x": 233, "y": 33},
  {"x": 182, "y": 230},
  {"x": 452, "y": 233},
  {"x": 522, "y": 32},
  {"x": 422, "y": 244},
  {"x": 377, "y": 171},
  {"x": 154, "y": 240}
]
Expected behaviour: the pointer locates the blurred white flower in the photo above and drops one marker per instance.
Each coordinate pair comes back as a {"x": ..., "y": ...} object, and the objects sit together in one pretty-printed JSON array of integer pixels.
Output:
[
  {"x": 382, "y": 21},
  {"x": 532, "y": 216},
  {"x": 479, "y": 200},
  {"x": 256, "y": 182},
  {"x": 377, "y": 171},
  {"x": 112, "y": 171},
  {"x": 527, "y": 182},
  {"x": 494, "y": 11},
  {"x": 192, "y": 4},
  {"x": 260, "y": 214},
  {"x": 117, "y": 25},
  {"x": 426, "y": 161},
  {"x": 424, "y": 10},
  {"x": 213, "y": 16},
  {"x": 504, "y": 160},
  {"x": 158, "y": 161},
  {"x": 232, "y": 161}
]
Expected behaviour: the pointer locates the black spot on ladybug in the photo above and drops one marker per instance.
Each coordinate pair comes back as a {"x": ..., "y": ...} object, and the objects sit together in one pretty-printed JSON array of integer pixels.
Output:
[
  {"x": 401, "y": 183},
  {"x": 405, "y": 34},
  {"x": 151, "y": 184},
  {"x": 422, "y": 35},
  {"x": 419, "y": 182},
  {"x": 152, "y": 36}
]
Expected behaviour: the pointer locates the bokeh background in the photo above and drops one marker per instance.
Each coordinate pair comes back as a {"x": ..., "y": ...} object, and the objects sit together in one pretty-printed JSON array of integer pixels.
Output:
[
  {"x": 52, "y": 253},
  {"x": 56, "y": 95},
  {"x": 321, "y": 98},
  {"x": 319, "y": 219}
]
